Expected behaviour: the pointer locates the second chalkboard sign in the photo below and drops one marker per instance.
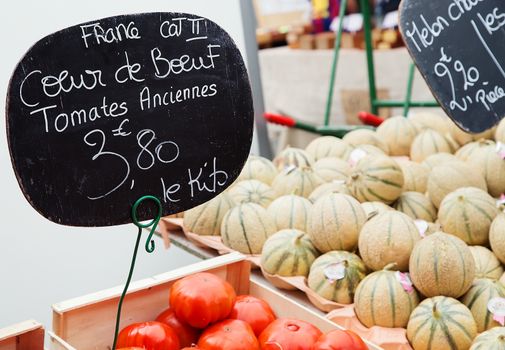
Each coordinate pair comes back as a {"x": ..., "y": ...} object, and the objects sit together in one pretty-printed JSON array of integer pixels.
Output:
[
  {"x": 102, "y": 113},
  {"x": 458, "y": 48}
]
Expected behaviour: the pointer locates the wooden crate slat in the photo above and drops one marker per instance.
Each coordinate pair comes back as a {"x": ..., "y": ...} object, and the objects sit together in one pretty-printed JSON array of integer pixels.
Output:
[
  {"x": 27, "y": 335},
  {"x": 88, "y": 322},
  {"x": 74, "y": 320}
]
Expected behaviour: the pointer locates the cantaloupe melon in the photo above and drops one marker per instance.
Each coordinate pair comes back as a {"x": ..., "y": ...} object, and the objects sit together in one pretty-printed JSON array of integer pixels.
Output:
[
  {"x": 360, "y": 137},
  {"x": 493, "y": 339},
  {"x": 499, "y": 134},
  {"x": 300, "y": 181},
  {"x": 258, "y": 168},
  {"x": 497, "y": 237},
  {"x": 292, "y": 156},
  {"x": 441, "y": 323},
  {"x": 327, "y": 188},
  {"x": 438, "y": 159},
  {"x": 467, "y": 150},
  {"x": 487, "y": 264},
  {"x": 246, "y": 227},
  {"x": 417, "y": 206},
  {"x": 442, "y": 264},
  {"x": 477, "y": 299},
  {"x": 290, "y": 211},
  {"x": 335, "y": 221},
  {"x": 381, "y": 300},
  {"x": 463, "y": 137},
  {"x": 336, "y": 275},
  {"x": 388, "y": 238},
  {"x": 447, "y": 178},
  {"x": 363, "y": 151},
  {"x": 415, "y": 176},
  {"x": 206, "y": 218},
  {"x": 502, "y": 279},
  {"x": 288, "y": 253},
  {"x": 427, "y": 143},
  {"x": 427, "y": 120},
  {"x": 330, "y": 169},
  {"x": 468, "y": 213},
  {"x": 252, "y": 191},
  {"x": 398, "y": 133},
  {"x": 492, "y": 166},
  {"x": 377, "y": 178},
  {"x": 328, "y": 146},
  {"x": 375, "y": 207}
]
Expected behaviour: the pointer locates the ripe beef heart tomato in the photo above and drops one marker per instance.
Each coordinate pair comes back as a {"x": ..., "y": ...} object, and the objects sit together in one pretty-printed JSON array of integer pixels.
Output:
[
  {"x": 149, "y": 336},
  {"x": 202, "y": 299},
  {"x": 340, "y": 340},
  {"x": 229, "y": 335},
  {"x": 254, "y": 311},
  {"x": 187, "y": 334},
  {"x": 289, "y": 334}
]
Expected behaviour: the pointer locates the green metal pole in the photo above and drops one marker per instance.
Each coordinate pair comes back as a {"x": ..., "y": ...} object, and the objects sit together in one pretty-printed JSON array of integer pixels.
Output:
[
  {"x": 305, "y": 126},
  {"x": 401, "y": 104},
  {"x": 408, "y": 97},
  {"x": 338, "y": 41},
  {"x": 367, "y": 20}
]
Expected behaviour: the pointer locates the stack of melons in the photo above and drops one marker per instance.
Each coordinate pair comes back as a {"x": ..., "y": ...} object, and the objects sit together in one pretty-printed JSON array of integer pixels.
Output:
[{"x": 383, "y": 220}]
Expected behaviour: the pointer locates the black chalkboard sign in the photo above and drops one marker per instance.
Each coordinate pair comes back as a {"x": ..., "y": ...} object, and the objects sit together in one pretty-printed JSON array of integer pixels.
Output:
[
  {"x": 458, "y": 46},
  {"x": 102, "y": 113}
]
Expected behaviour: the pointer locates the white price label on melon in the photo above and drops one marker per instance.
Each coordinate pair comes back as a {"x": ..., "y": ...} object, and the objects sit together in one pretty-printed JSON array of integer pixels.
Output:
[
  {"x": 356, "y": 156},
  {"x": 335, "y": 271},
  {"x": 497, "y": 307},
  {"x": 422, "y": 227},
  {"x": 405, "y": 281},
  {"x": 500, "y": 201},
  {"x": 500, "y": 149}
]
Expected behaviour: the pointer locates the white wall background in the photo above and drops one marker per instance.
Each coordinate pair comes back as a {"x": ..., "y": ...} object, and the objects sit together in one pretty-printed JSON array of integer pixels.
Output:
[{"x": 40, "y": 262}]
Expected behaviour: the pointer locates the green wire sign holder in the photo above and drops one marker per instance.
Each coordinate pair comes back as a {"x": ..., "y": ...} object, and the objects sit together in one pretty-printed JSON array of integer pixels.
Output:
[{"x": 129, "y": 118}]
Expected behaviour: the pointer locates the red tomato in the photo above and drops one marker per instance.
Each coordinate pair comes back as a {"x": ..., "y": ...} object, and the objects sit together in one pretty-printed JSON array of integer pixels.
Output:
[
  {"x": 340, "y": 340},
  {"x": 149, "y": 336},
  {"x": 202, "y": 299},
  {"x": 229, "y": 335},
  {"x": 254, "y": 311},
  {"x": 131, "y": 348},
  {"x": 288, "y": 334},
  {"x": 187, "y": 334}
]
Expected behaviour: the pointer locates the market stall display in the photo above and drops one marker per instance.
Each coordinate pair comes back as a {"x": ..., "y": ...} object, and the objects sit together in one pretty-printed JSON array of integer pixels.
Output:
[
  {"x": 393, "y": 233},
  {"x": 415, "y": 248}
]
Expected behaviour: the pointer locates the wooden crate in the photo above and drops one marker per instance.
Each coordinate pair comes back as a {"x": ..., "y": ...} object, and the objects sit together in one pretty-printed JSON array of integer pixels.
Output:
[
  {"x": 88, "y": 322},
  {"x": 27, "y": 335}
]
